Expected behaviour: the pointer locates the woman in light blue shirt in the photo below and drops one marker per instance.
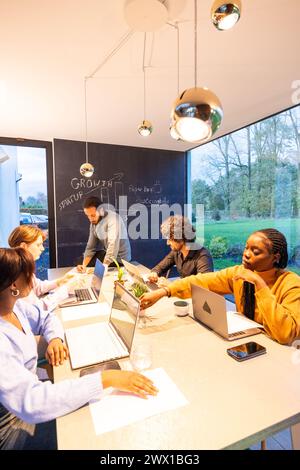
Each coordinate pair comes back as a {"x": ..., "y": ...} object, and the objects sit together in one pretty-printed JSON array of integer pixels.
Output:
[{"x": 24, "y": 400}]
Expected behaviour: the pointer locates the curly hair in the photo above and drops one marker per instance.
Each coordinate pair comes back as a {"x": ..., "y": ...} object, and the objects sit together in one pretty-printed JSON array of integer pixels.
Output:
[{"x": 177, "y": 227}]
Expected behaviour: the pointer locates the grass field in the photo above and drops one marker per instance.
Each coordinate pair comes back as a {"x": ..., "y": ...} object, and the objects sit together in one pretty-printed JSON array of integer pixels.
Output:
[{"x": 237, "y": 232}]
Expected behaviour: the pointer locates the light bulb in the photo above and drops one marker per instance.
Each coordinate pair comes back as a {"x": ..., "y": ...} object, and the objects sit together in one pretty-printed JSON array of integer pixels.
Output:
[
  {"x": 193, "y": 129},
  {"x": 224, "y": 14},
  {"x": 196, "y": 115},
  {"x": 145, "y": 128},
  {"x": 87, "y": 170}
]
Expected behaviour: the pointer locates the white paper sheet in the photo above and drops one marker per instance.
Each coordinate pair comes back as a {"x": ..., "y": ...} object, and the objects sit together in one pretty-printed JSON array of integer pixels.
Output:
[
  {"x": 99, "y": 309},
  {"x": 237, "y": 322},
  {"x": 119, "y": 409}
]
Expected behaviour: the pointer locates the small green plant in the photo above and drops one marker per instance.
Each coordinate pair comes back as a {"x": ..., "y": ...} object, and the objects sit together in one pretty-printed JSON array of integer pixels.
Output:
[
  {"x": 120, "y": 270},
  {"x": 138, "y": 289}
]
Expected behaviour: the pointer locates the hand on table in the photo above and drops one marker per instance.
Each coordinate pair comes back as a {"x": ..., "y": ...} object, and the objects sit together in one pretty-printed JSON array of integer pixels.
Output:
[
  {"x": 128, "y": 381},
  {"x": 81, "y": 268},
  {"x": 56, "y": 352},
  {"x": 153, "y": 277},
  {"x": 150, "y": 298}
]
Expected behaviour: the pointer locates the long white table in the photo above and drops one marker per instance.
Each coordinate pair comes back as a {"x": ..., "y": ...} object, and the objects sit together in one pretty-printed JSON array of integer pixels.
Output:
[{"x": 231, "y": 405}]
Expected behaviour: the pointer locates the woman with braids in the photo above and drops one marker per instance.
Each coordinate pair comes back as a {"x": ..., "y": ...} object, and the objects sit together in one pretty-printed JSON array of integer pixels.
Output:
[
  {"x": 263, "y": 289},
  {"x": 24, "y": 400},
  {"x": 31, "y": 238}
]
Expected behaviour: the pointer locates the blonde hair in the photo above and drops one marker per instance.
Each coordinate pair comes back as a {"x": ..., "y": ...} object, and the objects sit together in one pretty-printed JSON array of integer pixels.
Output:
[{"x": 25, "y": 234}]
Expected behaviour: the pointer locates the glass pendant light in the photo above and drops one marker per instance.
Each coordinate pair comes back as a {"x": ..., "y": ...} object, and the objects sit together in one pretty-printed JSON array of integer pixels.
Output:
[
  {"x": 86, "y": 169},
  {"x": 197, "y": 113},
  {"x": 224, "y": 14},
  {"x": 145, "y": 128}
]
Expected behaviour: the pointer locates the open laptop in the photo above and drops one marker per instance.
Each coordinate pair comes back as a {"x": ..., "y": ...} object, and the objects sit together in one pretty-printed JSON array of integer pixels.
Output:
[
  {"x": 101, "y": 342},
  {"x": 139, "y": 274},
  {"x": 209, "y": 308},
  {"x": 87, "y": 295}
]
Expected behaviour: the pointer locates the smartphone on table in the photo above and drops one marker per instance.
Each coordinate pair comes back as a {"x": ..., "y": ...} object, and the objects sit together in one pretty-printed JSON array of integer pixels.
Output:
[{"x": 246, "y": 351}]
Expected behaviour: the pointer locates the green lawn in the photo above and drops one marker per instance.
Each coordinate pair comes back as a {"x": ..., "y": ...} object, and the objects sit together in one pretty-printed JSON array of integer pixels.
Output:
[{"x": 237, "y": 232}]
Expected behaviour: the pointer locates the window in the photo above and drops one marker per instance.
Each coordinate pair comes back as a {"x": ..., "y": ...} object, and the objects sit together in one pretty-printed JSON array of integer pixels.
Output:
[
  {"x": 247, "y": 180},
  {"x": 24, "y": 191}
]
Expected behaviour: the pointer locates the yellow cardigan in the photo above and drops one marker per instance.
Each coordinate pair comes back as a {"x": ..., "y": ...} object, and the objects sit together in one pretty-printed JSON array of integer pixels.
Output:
[{"x": 277, "y": 307}]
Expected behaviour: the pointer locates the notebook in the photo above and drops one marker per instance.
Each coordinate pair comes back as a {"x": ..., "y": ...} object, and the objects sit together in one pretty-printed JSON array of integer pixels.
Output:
[
  {"x": 88, "y": 295},
  {"x": 139, "y": 274},
  {"x": 209, "y": 308},
  {"x": 101, "y": 342}
]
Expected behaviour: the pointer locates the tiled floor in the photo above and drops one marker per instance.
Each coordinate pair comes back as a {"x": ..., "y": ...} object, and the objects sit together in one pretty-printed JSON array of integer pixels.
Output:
[{"x": 280, "y": 441}]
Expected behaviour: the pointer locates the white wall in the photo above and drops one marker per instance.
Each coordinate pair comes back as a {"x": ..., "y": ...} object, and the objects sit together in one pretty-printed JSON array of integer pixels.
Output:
[{"x": 9, "y": 194}]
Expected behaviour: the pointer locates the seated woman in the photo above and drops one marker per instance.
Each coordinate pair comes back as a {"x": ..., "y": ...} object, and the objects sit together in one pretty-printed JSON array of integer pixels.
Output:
[
  {"x": 262, "y": 288},
  {"x": 188, "y": 257},
  {"x": 31, "y": 238},
  {"x": 24, "y": 400}
]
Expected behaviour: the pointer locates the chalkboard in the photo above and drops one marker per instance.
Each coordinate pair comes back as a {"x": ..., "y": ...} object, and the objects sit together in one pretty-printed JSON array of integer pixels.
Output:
[{"x": 146, "y": 176}]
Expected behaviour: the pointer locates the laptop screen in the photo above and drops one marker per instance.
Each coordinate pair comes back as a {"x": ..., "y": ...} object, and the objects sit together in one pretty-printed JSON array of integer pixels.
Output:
[
  {"x": 124, "y": 314},
  {"x": 98, "y": 277}
]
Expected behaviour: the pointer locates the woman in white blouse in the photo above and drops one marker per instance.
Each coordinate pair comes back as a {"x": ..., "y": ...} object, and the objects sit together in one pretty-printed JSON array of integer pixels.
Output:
[{"x": 24, "y": 400}]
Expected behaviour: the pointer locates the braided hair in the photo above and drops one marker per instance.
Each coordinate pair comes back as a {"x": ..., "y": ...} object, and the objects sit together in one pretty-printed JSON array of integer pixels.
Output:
[{"x": 276, "y": 243}]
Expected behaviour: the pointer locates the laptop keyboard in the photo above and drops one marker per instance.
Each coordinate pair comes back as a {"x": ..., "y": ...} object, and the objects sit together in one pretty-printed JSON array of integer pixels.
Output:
[
  {"x": 83, "y": 294},
  {"x": 238, "y": 333}
]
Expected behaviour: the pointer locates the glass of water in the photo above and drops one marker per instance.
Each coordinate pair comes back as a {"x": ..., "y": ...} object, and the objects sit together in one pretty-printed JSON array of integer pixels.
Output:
[{"x": 141, "y": 356}]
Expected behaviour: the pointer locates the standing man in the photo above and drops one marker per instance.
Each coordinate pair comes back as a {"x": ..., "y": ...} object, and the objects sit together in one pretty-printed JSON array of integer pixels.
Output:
[{"x": 108, "y": 237}]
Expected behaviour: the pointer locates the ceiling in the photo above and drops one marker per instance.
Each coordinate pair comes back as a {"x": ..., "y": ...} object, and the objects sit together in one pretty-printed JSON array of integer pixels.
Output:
[{"x": 48, "y": 47}]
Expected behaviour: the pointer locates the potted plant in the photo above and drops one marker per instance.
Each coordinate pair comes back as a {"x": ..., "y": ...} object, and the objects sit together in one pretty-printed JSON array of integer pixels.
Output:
[
  {"x": 120, "y": 272},
  {"x": 138, "y": 290}
]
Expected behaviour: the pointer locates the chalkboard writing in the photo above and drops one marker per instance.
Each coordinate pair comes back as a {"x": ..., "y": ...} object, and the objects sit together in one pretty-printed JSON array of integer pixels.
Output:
[{"x": 145, "y": 176}]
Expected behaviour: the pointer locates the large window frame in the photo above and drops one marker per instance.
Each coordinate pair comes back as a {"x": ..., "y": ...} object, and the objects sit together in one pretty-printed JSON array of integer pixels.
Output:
[
  {"x": 189, "y": 152},
  {"x": 20, "y": 142}
]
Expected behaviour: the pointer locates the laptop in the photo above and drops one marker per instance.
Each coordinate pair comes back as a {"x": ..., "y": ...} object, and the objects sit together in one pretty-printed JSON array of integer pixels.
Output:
[
  {"x": 138, "y": 273},
  {"x": 98, "y": 343},
  {"x": 209, "y": 309},
  {"x": 87, "y": 295}
]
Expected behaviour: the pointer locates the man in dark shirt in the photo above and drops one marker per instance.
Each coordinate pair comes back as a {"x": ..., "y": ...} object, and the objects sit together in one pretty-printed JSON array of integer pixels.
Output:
[{"x": 188, "y": 257}]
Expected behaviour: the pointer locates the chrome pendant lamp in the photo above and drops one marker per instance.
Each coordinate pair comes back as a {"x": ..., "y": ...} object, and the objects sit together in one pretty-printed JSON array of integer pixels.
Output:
[
  {"x": 197, "y": 113},
  {"x": 86, "y": 169},
  {"x": 224, "y": 14},
  {"x": 145, "y": 128}
]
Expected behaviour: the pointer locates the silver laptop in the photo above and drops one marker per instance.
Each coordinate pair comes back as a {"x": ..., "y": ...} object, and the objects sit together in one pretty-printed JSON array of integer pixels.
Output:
[
  {"x": 137, "y": 272},
  {"x": 101, "y": 342},
  {"x": 88, "y": 295},
  {"x": 209, "y": 308}
]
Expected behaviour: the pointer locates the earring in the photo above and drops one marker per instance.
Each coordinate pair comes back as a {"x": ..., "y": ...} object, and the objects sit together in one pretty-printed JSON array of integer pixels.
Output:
[{"x": 15, "y": 292}]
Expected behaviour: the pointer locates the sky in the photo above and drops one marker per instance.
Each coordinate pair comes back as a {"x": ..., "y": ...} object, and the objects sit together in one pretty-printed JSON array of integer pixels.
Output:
[{"x": 32, "y": 167}]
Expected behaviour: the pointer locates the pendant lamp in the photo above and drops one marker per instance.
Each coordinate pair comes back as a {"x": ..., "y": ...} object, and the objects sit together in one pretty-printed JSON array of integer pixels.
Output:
[
  {"x": 197, "y": 113},
  {"x": 224, "y": 14},
  {"x": 86, "y": 169}
]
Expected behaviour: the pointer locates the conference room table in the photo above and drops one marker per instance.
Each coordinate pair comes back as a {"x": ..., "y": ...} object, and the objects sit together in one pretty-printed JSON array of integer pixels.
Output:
[{"x": 231, "y": 405}]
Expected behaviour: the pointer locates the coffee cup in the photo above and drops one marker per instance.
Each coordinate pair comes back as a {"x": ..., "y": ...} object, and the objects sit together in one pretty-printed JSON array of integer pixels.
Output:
[{"x": 181, "y": 308}]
